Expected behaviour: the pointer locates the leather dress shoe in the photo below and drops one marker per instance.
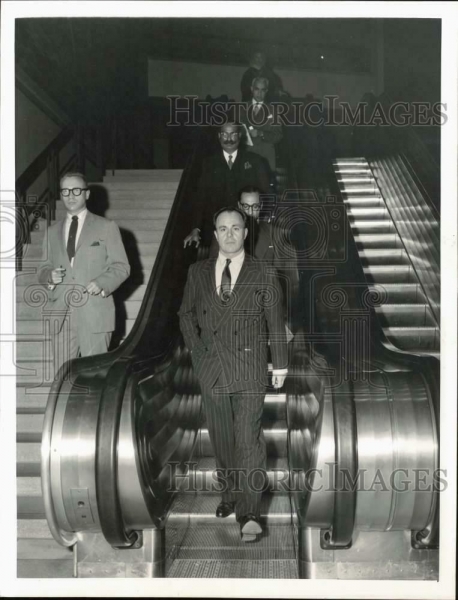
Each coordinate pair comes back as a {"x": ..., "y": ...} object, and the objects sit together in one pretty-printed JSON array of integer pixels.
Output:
[
  {"x": 224, "y": 509},
  {"x": 250, "y": 528}
]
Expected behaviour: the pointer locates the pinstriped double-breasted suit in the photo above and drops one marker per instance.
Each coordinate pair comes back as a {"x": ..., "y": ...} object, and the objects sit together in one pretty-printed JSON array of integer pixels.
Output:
[{"x": 229, "y": 345}]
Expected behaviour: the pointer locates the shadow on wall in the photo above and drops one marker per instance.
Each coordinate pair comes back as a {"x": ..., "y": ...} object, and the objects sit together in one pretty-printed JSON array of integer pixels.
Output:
[{"x": 100, "y": 205}]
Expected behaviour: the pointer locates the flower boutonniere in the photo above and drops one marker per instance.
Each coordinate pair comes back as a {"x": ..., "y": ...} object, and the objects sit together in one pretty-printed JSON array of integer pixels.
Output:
[{"x": 247, "y": 165}]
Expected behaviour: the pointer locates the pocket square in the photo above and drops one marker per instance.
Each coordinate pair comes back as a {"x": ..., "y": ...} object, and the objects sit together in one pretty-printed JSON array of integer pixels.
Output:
[{"x": 95, "y": 244}]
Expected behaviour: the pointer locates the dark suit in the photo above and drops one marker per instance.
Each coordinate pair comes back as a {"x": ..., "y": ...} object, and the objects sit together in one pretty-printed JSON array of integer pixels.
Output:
[
  {"x": 229, "y": 356},
  {"x": 219, "y": 186},
  {"x": 99, "y": 256},
  {"x": 269, "y": 132}
]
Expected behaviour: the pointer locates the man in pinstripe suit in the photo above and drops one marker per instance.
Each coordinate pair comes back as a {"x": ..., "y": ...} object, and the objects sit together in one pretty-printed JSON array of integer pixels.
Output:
[{"x": 231, "y": 306}]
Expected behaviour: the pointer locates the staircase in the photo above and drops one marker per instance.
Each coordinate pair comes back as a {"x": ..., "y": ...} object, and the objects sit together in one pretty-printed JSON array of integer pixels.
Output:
[
  {"x": 140, "y": 202},
  {"x": 404, "y": 312},
  {"x": 200, "y": 545}
]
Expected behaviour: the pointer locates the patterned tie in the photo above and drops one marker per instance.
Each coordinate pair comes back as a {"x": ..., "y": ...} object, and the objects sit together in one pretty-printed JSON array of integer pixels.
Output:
[
  {"x": 72, "y": 238},
  {"x": 229, "y": 161},
  {"x": 257, "y": 106},
  {"x": 225, "y": 290}
]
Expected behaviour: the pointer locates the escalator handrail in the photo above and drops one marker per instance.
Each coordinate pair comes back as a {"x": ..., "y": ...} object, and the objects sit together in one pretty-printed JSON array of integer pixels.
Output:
[{"x": 110, "y": 513}]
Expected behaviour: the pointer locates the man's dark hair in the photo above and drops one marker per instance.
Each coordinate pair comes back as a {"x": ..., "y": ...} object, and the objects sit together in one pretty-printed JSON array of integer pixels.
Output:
[
  {"x": 228, "y": 209},
  {"x": 249, "y": 189}
]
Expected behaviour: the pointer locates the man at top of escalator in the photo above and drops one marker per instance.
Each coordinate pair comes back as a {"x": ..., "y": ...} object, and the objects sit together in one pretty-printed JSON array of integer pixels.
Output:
[
  {"x": 259, "y": 68},
  {"x": 263, "y": 133},
  {"x": 223, "y": 174}
]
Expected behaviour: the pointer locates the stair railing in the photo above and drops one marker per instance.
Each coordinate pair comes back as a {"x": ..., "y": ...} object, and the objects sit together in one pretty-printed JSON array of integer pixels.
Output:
[{"x": 29, "y": 208}]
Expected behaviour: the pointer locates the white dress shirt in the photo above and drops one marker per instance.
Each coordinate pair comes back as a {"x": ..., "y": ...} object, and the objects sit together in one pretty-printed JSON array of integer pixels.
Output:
[
  {"x": 234, "y": 268},
  {"x": 233, "y": 154}
]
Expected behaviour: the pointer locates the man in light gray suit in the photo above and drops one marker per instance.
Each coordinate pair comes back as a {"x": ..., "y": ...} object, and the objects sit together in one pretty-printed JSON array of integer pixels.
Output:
[{"x": 84, "y": 262}]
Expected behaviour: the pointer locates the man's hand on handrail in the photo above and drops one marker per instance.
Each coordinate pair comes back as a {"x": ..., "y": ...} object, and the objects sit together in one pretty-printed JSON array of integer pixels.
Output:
[{"x": 194, "y": 236}]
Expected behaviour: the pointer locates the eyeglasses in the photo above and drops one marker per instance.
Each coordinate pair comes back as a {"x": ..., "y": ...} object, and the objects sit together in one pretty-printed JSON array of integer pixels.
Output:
[
  {"x": 229, "y": 136},
  {"x": 75, "y": 191},
  {"x": 250, "y": 206}
]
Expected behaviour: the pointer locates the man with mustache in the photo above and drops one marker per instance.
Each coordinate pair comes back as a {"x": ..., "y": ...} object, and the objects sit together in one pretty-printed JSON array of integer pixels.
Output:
[{"x": 223, "y": 175}]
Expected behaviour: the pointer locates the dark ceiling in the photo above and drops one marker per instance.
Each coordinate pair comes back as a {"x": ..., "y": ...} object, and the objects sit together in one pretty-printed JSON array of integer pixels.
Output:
[
  {"x": 88, "y": 63},
  {"x": 91, "y": 65}
]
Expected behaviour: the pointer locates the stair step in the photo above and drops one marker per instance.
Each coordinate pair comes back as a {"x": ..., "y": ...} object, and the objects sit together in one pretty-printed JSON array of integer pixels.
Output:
[
  {"x": 29, "y": 428},
  {"x": 362, "y": 226},
  {"x": 364, "y": 202},
  {"x": 31, "y": 401},
  {"x": 28, "y": 459},
  {"x": 137, "y": 236},
  {"x": 398, "y": 293},
  {"x": 34, "y": 373},
  {"x": 355, "y": 170},
  {"x": 275, "y": 437},
  {"x": 143, "y": 184},
  {"x": 131, "y": 291},
  {"x": 414, "y": 338},
  {"x": 378, "y": 240},
  {"x": 404, "y": 315},
  {"x": 153, "y": 174},
  {"x": 132, "y": 308},
  {"x": 125, "y": 215},
  {"x": 355, "y": 160},
  {"x": 29, "y": 498},
  {"x": 47, "y": 549},
  {"x": 33, "y": 529},
  {"x": 389, "y": 274},
  {"x": 382, "y": 256},
  {"x": 369, "y": 187},
  {"x": 195, "y": 510},
  {"x": 367, "y": 213}
]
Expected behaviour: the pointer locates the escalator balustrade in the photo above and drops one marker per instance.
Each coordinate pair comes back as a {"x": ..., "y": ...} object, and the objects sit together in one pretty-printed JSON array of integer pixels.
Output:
[{"x": 404, "y": 310}]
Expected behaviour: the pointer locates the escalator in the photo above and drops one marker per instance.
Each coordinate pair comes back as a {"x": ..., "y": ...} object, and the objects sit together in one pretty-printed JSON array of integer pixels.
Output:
[{"x": 127, "y": 467}]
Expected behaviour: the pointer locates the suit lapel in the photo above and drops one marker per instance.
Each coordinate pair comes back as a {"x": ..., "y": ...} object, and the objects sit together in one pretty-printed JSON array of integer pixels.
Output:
[
  {"x": 209, "y": 286},
  {"x": 86, "y": 231},
  {"x": 64, "y": 244}
]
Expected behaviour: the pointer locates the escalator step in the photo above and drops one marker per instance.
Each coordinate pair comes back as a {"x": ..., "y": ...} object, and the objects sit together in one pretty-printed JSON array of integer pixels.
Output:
[
  {"x": 240, "y": 569},
  {"x": 223, "y": 542},
  {"x": 196, "y": 509}
]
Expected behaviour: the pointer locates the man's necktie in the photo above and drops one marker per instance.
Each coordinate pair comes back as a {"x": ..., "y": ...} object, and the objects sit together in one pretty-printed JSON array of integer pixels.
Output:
[
  {"x": 229, "y": 161},
  {"x": 72, "y": 238},
  {"x": 257, "y": 106},
  {"x": 225, "y": 290}
]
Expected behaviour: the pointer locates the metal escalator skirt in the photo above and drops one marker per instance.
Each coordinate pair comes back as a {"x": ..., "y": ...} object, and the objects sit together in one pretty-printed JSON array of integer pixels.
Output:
[{"x": 397, "y": 456}]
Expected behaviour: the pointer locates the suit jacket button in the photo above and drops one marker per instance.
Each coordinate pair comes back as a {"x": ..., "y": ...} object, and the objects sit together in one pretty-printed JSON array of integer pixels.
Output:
[
  {"x": 205, "y": 312},
  {"x": 239, "y": 349},
  {"x": 235, "y": 333},
  {"x": 215, "y": 332}
]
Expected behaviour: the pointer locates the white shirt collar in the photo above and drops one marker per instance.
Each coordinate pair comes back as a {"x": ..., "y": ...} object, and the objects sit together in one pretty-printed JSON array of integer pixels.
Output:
[
  {"x": 233, "y": 154},
  {"x": 238, "y": 260},
  {"x": 253, "y": 101},
  {"x": 81, "y": 216}
]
